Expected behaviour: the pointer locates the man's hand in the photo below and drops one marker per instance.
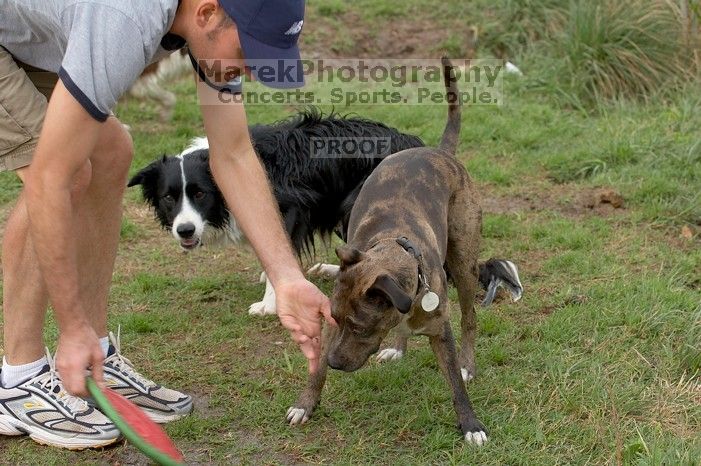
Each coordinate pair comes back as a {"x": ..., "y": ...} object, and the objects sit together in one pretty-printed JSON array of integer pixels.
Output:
[
  {"x": 77, "y": 350},
  {"x": 300, "y": 306}
]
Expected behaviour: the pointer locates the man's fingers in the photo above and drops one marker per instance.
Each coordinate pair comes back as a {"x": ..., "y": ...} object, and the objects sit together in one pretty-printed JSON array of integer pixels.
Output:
[
  {"x": 300, "y": 309},
  {"x": 313, "y": 366},
  {"x": 97, "y": 372},
  {"x": 300, "y": 339},
  {"x": 326, "y": 312},
  {"x": 290, "y": 323},
  {"x": 74, "y": 381},
  {"x": 310, "y": 349}
]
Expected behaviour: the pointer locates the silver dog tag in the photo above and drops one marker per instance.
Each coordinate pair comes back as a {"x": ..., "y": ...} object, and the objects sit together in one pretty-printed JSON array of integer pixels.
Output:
[{"x": 430, "y": 301}]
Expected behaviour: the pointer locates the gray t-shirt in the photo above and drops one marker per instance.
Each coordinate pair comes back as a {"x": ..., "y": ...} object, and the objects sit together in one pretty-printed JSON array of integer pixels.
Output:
[{"x": 97, "y": 47}]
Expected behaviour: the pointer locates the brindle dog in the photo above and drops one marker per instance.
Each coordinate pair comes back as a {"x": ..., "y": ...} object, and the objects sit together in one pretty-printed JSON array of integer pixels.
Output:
[{"x": 416, "y": 217}]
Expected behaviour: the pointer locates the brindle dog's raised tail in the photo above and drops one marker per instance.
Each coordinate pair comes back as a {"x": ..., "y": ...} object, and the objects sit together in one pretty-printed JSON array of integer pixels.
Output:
[
  {"x": 451, "y": 133},
  {"x": 495, "y": 273}
]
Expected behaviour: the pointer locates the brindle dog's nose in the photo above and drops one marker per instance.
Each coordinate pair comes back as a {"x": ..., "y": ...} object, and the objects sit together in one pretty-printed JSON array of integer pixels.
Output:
[
  {"x": 185, "y": 230},
  {"x": 333, "y": 362},
  {"x": 336, "y": 361}
]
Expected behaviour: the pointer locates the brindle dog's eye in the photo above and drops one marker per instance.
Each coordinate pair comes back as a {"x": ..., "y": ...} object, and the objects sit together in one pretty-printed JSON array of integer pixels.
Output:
[
  {"x": 376, "y": 299},
  {"x": 355, "y": 328}
]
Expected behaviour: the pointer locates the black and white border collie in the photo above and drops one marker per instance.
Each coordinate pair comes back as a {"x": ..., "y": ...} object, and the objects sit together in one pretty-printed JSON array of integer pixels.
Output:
[{"x": 315, "y": 194}]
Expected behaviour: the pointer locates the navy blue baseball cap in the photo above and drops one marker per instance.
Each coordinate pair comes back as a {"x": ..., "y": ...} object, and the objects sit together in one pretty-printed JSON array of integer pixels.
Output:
[{"x": 268, "y": 31}]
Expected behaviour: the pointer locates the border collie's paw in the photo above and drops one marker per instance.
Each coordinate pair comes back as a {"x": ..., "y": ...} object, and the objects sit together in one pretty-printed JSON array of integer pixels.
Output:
[
  {"x": 500, "y": 273},
  {"x": 263, "y": 278},
  {"x": 261, "y": 308},
  {"x": 478, "y": 437},
  {"x": 296, "y": 416},
  {"x": 467, "y": 375},
  {"x": 389, "y": 354},
  {"x": 322, "y": 270}
]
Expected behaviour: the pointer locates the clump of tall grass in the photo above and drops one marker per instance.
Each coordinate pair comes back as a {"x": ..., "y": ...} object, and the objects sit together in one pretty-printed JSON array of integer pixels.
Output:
[
  {"x": 510, "y": 26},
  {"x": 618, "y": 49}
]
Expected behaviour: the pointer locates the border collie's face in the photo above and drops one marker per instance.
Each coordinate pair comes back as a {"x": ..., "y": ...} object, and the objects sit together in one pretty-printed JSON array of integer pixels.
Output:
[{"x": 185, "y": 199}]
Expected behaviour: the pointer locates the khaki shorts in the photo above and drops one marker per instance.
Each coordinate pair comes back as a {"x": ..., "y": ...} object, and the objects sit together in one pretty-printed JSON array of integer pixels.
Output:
[{"x": 24, "y": 91}]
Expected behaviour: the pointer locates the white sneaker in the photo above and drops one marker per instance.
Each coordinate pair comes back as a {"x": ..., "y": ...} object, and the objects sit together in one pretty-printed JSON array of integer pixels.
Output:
[
  {"x": 42, "y": 409},
  {"x": 159, "y": 403}
]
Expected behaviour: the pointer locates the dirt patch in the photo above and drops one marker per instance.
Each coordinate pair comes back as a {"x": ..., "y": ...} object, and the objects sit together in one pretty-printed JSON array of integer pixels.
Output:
[
  {"x": 604, "y": 197},
  {"x": 124, "y": 455},
  {"x": 570, "y": 200},
  {"x": 204, "y": 407},
  {"x": 406, "y": 38}
]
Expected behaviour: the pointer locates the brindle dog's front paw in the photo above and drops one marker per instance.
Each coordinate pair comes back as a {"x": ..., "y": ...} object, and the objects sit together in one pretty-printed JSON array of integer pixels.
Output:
[
  {"x": 297, "y": 416},
  {"x": 475, "y": 433},
  {"x": 389, "y": 354},
  {"x": 467, "y": 374}
]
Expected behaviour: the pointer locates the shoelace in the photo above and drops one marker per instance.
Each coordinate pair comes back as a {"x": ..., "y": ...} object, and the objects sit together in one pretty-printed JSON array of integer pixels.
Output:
[
  {"x": 124, "y": 364},
  {"x": 51, "y": 380}
]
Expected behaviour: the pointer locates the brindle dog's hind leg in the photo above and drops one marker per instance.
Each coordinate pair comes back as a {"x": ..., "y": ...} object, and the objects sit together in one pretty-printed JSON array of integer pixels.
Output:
[
  {"x": 443, "y": 346},
  {"x": 463, "y": 250},
  {"x": 308, "y": 400},
  {"x": 463, "y": 273}
]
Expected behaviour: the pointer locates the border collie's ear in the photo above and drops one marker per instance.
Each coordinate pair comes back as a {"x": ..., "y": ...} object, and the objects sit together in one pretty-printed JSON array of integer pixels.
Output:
[
  {"x": 146, "y": 174},
  {"x": 349, "y": 255},
  {"x": 148, "y": 178},
  {"x": 136, "y": 179},
  {"x": 387, "y": 286}
]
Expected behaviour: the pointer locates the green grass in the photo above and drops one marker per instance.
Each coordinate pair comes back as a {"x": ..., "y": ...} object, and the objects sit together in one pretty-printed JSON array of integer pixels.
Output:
[
  {"x": 599, "y": 363},
  {"x": 620, "y": 49}
]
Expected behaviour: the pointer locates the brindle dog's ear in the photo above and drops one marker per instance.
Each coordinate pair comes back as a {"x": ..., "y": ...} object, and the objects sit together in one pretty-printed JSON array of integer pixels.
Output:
[
  {"x": 349, "y": 255},
  {"x": 387, "y": 286}
]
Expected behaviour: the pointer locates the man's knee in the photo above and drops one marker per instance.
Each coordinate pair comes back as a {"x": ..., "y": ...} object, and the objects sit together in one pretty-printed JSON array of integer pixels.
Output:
[
  {"x": 113, "y": 153},
  {"x": 17, "y": 222}
]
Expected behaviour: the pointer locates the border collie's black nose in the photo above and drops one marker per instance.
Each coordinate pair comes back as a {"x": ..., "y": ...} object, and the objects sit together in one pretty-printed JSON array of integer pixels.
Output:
[{"x": 185, "y": 230}]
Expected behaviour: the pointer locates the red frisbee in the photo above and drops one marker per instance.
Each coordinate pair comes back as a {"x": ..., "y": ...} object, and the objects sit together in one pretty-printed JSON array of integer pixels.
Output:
[{"x": 136, "y": 426}]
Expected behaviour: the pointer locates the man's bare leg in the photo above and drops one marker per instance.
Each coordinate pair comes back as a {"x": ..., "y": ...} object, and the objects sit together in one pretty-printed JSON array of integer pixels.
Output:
[
  {"x": 98, "y": 196},
  {"x": 100, "y": 214},
  {"x": 24, "y": 293}
]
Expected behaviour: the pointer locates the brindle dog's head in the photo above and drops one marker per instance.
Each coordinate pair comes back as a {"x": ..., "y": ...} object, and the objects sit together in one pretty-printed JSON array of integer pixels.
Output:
[{"x": 373, "y": 291}]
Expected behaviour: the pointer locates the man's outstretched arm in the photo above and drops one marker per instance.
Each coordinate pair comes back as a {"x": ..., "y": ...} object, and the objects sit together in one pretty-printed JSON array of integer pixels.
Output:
[{"x": 244, "y": 184}]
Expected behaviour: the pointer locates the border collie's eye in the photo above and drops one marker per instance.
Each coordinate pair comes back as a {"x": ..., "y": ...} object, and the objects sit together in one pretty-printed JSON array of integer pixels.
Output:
[
  {"x": 199, "y": 195},
  {"x": 168, "y": 198}
]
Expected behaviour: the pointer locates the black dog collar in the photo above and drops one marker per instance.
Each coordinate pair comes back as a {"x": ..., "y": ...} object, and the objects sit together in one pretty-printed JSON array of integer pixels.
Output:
[
  {"x": 408, "y": 246},
  {"x": 430, "y": 300}
]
